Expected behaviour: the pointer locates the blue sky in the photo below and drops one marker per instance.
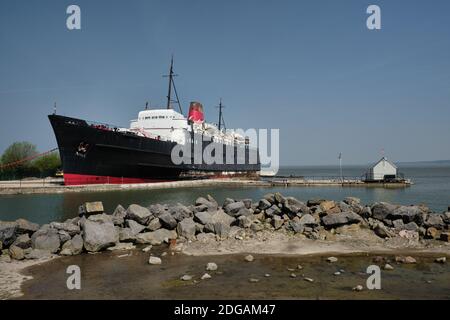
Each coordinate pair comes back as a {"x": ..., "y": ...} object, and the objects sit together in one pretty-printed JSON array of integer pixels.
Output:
[{"x": 310, "y": 68}]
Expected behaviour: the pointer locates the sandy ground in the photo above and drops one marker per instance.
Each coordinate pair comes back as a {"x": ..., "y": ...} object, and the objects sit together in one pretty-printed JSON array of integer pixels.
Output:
[
  {"x": 347, "y": 240},
  {"x": 11, "y": 277}
]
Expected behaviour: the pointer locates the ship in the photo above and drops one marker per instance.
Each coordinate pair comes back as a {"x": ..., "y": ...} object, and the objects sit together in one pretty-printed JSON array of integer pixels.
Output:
[{"x": 97, "y": 153}]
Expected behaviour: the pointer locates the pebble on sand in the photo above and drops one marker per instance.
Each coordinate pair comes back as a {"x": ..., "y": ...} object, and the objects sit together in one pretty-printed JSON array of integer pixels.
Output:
[
  {"x": 205, "y": 276},
  {"x": 405, "y": 260},
  {"x": 332, "y": 259},
  {"x": 308, "y": 279},
  {"x": 249, "y": 258},
  {"x": 211, "y": 266},
  {"x": 147, "y": 249},
  {"x": 253, "y": 280},
  {"x": 358, "y": 288},
  {"x": 441, "y": 260},
  {"x": 267, "y": 275},
  {"x": 293, "y": 275},
  {"x": 337, "y": 273},
  {"x": 154, "y": 260},
  {"x": 387, "y": 266},
  {"x": 186, "y": 277}
]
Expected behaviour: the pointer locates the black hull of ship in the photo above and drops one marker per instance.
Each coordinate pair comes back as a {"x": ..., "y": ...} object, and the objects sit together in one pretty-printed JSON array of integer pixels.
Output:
[{"x": 97, "y": 154}]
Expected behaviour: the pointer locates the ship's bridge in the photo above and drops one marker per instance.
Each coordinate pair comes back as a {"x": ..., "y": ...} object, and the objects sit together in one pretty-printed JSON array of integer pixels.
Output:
[{"x": 166, "y": 124}]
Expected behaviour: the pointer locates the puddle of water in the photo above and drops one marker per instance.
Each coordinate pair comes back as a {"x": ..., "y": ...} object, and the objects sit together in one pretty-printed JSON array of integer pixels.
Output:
[{"x": 106, "y": 276}]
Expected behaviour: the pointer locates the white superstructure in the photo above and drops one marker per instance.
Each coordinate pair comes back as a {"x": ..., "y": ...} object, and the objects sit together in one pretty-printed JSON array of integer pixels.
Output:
[{"x": 170, "y": 125}]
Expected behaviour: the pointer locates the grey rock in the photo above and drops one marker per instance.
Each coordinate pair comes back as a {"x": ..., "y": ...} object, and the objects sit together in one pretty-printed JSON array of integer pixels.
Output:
[
  {"x": 180, "y": 212},
  {"x": 296, "y": 226},
  {"x": 139, "y": 214},
  {"x": 273, "y": 210},
  {"x": 23, "y": 241},
  {"x": 203, "y": 217},
  {"x": 126, "y": 234},
  {"x": 38, "y": 254},
  {"x": 270, "y": 197},
  {"x": 90, "y": 208},
  {"x": 256, "y": 226},
  {"x": 244, "y": 222},
  {"x": 118, "y": 216},
  {"x": 381, "y": 231},
  {"x": 382, "y": 210},
  {"x": 227, "y": 202},
  {"x": 352, "y": 200},
  {"x": 72, "y": 247},
  {"x": 233, "y": 208},
  {"x": 308, "y": 220},
  {"x": 25, "y": 226},
  {"x": 222, "y": 229},
  {"x": 157, "y": 209},
  {"x": 167, "y": 221},
  {"x": 71, "y": 229},
  {"x": 407, "y": 214},
  {"x": 200, "y": 208},
  {"x": 277, "y": 222},
  {"x": 264, "y": 204},
  {"x": 103, "y": 218},
  {"x": 314, "y": 202},
  {"x": 7, "y": 233},
  {"x": 293, "y": 205},
  {"x": 156, "y": 237},
  {"x": 98, "y": 235},
  {"x": 366, "y": 212},
  {"x": 46, "y": 239},
  {"x": 279, "y": 198},
  {"x": 435, "y": 221},
  {"x": 247, "y": 203},
  {"x": 199, "y": 228},
  {"x": 398, "y": 224},
  {"x": 446, "y": 217},
  {"x": 344, "y": 206},
  {"x": 339, "y": 219},
  {"x": 134, "y": 227},
  {"x": 411, "y": 226},
  {"x": 244, "y": 212},
  {"x": 121, "y": 246},
  {"x": 154, "y": 224},
  {"x": 187, "y": 228},
  {"x": 16, "y": 253},
  {"x": 63, "y": 236}
]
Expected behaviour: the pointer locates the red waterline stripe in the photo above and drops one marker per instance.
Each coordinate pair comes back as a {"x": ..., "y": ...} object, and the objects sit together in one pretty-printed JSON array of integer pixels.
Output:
[{"x": 72, "y": 179}]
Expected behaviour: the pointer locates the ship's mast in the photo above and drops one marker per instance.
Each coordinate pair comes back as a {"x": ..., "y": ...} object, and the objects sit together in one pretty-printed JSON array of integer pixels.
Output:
[
  {"x": 220, "y": 106},
  {"x": 171, "y": 75},
  {"x": 170, "y": 84}
]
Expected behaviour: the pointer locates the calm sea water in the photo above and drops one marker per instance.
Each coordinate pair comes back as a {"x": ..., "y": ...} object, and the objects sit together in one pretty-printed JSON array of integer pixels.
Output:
[{"x": 431, "y": 187}]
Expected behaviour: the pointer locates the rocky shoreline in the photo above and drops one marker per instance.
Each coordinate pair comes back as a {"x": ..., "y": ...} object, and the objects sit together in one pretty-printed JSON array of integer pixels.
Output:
[{"x": 273, "y": 225}]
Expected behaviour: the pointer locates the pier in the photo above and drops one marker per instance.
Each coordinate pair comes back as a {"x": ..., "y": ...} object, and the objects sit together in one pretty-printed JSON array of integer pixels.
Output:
[{"x": 56, "y": 185}]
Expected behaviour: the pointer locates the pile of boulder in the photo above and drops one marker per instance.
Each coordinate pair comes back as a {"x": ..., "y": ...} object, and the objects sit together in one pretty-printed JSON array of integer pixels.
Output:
[{"x": 93, "y": 230}]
